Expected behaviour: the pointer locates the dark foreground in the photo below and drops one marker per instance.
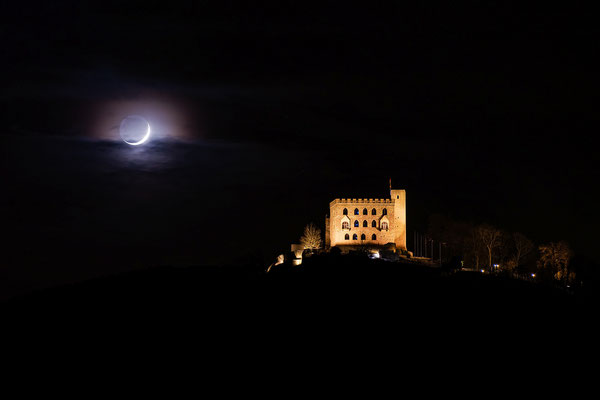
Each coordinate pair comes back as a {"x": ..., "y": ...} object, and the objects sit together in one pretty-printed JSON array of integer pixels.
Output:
[
  {"x": 326, "y": 291},
  {"x": 331, "y": 314}
]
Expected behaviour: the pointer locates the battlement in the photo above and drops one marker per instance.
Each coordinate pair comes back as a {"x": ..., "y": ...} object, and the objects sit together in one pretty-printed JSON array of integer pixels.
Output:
[{"x": 361, "y": 201}]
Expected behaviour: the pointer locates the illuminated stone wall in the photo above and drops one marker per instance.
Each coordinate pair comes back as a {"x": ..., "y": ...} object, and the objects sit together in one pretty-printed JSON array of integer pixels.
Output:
[
  {"x": 398, "y": 196},
  {"x": 395, "y": 219}
]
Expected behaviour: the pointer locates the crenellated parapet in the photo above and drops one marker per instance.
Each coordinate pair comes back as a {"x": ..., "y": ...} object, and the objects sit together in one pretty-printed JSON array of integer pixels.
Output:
[{"x": 362, "y": 201}]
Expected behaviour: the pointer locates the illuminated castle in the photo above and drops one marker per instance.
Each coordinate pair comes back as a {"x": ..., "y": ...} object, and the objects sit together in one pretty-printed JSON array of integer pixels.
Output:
[{"x": 353, "y": 222}]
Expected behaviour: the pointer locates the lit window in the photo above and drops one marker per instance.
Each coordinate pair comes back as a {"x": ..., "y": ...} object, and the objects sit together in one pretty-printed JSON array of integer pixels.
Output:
[
  {"x": 354, "y": 237},
  {"x": 347, "y": 237},
  {"x": 365, "y": 212},
  {"x": 384, "y": 211},
  {"x": 363, "y": 237},
  {"x": 384, "y": 226},
  {"x": 356, "y": 212},
  {"x": 373, "y": 212},
  {"x": 345, "y": 211},
  {"x": 356, "y": 224},
  {"x": 374, "y": 224},
  {"x": 365, "y": 224},
  {"x": 374, "y": 237},
  {"x": 345, "y": 225}
]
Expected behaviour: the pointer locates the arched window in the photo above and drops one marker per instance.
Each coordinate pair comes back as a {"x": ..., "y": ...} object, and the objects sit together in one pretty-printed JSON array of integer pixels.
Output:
[
  {"x": 373, "y": 212},
  {"x": 365, "y": 224},
  {"x": 354, "y": 237},
  {"x": 365, "y": 212},
  {"x": 384, "y": 211},
  {"x": 384, "y": 226},
  {"x": 345, "y": 225},
  {"x": 345, "y": 211},
  {"x": 356, "y": 212},
  {"x": 374, "y": 224},
  {"x": 347, "y": 237},
  {"x": 363, "y": 237},
  {"x": 373, "y": 237},
  {"x": 356, "y": 224}
]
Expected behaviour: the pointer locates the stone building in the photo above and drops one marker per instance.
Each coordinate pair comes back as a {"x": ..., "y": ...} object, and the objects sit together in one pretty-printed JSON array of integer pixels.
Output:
[{"x": 374, "y": 222}]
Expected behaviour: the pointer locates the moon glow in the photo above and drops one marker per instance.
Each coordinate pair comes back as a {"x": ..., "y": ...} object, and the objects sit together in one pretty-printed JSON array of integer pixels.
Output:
[{"x": 134, "y": 130}]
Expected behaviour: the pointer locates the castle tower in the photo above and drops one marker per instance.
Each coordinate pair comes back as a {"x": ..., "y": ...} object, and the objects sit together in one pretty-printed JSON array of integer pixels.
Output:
[{"x": 399, "y": 199}]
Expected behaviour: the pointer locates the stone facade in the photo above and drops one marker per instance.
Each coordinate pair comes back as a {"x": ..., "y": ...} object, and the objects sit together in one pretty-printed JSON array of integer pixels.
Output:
[{"x": 374, "y": 222}]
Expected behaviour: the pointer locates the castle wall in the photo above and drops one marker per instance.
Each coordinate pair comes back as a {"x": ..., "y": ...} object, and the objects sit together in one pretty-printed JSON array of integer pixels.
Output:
[{"x": 336, "y": 217}]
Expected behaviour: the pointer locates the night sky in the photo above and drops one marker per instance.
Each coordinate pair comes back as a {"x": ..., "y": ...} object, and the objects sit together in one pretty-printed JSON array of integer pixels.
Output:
[{"x": 262, "y": 115}]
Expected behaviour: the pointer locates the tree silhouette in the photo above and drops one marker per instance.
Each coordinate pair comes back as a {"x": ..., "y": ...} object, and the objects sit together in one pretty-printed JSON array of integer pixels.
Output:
[
  {"x": 554, "y": 258},
  {"x": 490, "y": 238},
  {"x": 523, "y": 247},
  {"x": 312, "y": 237}
]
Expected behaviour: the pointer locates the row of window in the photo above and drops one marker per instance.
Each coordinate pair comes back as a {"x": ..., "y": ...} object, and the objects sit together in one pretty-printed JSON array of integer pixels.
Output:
[
  {"x": 362, "y": 237},
  {"x": 366, "y": 212},
  {"x": 346, "y": 224}
]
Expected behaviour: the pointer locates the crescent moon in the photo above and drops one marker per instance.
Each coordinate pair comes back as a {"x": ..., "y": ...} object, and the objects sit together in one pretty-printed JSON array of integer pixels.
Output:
[{"x": 144, "y": 138}]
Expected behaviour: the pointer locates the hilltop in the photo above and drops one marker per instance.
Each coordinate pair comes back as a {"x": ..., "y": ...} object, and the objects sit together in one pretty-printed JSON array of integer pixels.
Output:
[{"x": 324, "y": 286}]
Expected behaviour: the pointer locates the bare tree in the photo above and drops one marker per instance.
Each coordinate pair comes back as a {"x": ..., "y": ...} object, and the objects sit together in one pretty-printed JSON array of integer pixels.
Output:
[
  {"x": 475, "y": 245},
  {"x": 505, "y": 250},
  {"x": 472, "y": 246},
  {"x": 523, "y": 247},
  {"x": 490, "y": 238},
  {"x": 555, "y": 257},
  {"x": 312, "y": 237}
]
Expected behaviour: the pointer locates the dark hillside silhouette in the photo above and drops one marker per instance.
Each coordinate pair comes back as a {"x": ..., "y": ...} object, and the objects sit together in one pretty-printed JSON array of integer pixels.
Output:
[{"x": 327, "y": 291}]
